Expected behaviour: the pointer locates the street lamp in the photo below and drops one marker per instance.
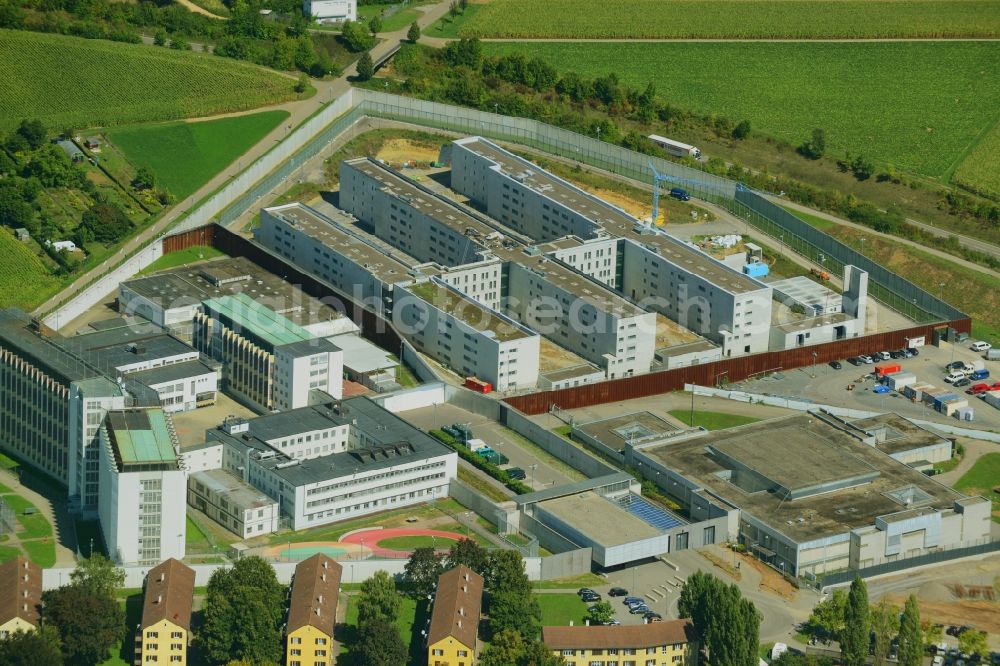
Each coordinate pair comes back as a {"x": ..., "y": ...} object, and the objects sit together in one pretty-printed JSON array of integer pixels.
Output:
[
  {"x": 814, "y": 365},
  {"x": 862, "y": 246}
]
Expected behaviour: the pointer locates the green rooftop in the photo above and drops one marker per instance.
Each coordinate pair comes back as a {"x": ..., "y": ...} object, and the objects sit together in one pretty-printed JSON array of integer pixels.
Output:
[
  {"x": 470, "y": 312},
  {"x": 258, "y": 319},
  {"x": 141, "y": 437}
]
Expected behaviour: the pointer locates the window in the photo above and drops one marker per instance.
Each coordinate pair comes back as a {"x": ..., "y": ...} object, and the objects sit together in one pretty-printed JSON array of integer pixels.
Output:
[
  {"x": 437, "y": 652},
  {"x": 295, "y": 640},
  {"x": 567, "y": 653},
  {"x": 320, "y": 641},
  {"x": 175, "y": 634},
  {"x": 152, "y": 634}
]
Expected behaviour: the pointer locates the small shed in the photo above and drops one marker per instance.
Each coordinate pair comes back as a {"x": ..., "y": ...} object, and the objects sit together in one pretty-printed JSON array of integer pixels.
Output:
[
  {"x": 965, "y": 414},
  {"x": 951, "y": 405},
  {"x": 71, "y": 150},
  {"x": 916, "y": 391},
  {"x": 93, "y": 144},
  {"x": 22, "y": 234}
]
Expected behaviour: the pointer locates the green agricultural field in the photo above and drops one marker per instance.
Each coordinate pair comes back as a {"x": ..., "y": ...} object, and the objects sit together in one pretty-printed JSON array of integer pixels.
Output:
[
  {"x": 916, "y": 105},
  {"x": 980, "y": 170},
  {"x": 24, "y": 280},
  {"x": 73, "y": 82},
  {"x": 186, "y": 155},
  {"x": 767, "y": 19}
]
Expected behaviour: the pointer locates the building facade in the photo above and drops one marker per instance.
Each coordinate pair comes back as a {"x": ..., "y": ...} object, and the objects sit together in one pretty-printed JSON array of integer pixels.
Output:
[
  {"x": 312, "y": 612},
  {"x": 332, "y": 462},
  {"x": 666, "y": 643},
  {"x": 237, "y": 506},
  {"x": 452, "y": 638},
  {"x": 139, "y": 486},
  {"x": 20, "y": 596},
  {"x": 164, "y": 633}
]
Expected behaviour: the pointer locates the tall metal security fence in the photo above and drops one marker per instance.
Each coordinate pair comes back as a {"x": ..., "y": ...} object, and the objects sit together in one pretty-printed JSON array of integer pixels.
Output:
[{"x": 886, "y": 286}]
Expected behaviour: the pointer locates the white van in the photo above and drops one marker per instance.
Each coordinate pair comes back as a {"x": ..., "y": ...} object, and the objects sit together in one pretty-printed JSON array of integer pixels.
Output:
[
  {"x": 980, "y": 346},
  {"x": 954, "y": 377}
]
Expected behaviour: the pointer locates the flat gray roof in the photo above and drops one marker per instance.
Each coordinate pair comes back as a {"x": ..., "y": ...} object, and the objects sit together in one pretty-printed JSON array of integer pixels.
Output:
[
  {"x": 241, "y": 494},
  {"x": 506, "y": 244},
  {"x": 612, "y": 482},
  {"x": 686, "y": 348},
  {"x": 332, "y": 231},
  {"x": 571, "y": 372},
  {"x": 362, "y": 356},
  {"x": 786, "y": 443},
  {"x": 616, "y": 431},
  {"x": 613, "y": 219},
  {"x": 598, "y": 519},
  {"x": 395, "y": 440},
  {"x": 113, "y": 348},
  {"x": 174, "y": 372},
  {"x": 44, "y": 352},
  {"x": 229, "y": 277},
  {"x": 900, "y": 433},
  {"x": 815, "y": 322}
]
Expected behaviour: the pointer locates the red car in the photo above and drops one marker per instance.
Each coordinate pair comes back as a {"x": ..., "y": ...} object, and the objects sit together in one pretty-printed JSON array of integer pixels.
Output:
[{"x": 976, "y": 389}]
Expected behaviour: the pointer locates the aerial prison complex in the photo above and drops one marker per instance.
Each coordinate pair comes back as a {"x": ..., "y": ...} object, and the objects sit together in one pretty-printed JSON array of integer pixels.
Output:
[{"x": 551, "y": 288}]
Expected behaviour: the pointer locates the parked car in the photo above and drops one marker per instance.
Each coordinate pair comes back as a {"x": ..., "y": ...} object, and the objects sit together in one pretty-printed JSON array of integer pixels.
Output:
[
  {"x": 980, "y": 346},
  {"x": 652, "y": 614},
  {"x": 982, "y": 373},
  {"x": 585, "y": 590},
  {"x": 618, "y": 592},
  {"x": 680, "y": 194},
  {"x": 952, "y": 631},
  {"x": 955, "y": 365},
  {"x": 854, "y": 360},
  {"x": 639, "y": 609},
  {"x": 628, "y": 601},
  {"x": 907, "y": 353},
  {"x": 866, "y": 359},
  {"x": 516, "y": 473},
  {"x": 590, "y": 596},
  {"x": 836, "y": 365},
  {"x": 976, "y": 389},
  {"x": 954, "y": 376},
  {"x": 613, "y": 622},
  {"x": 964, "y": 381},
  {"x": 913, "y": 351},
  {"x": 897, "y": 354},
  {"x": 883, "y": 355}
]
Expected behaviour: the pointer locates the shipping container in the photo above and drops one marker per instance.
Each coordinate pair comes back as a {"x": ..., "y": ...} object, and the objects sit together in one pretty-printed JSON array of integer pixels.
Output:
[
  {"x": 916, "y": 391},
  {"x": 992, "y": 398},
  {"x": 898, "y": 381},
  {"x": 965, "y": 414},
  {"x": 993, "y": 355},
  {"x": 478, "y": 385},
  {"x": 883, "y": 369},
  {"x": 952, "y": 405}
]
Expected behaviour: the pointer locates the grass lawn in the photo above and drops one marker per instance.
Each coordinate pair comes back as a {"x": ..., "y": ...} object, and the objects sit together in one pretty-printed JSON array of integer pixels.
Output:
[
  {"x": 182, "y": 258},
  {"x": 396, "y": 518},
  {"x": 4, "y": 489},
  {"x": 194, "y": 539},
  {"x": 570, "y": 583},
  {"x": 812, "y": 220},
  {"x": 559, "y": 609},
  {"x": 733, "y": 19},
  {"x": 6, "y": 462},
  {"x": 843, "y": 88},
  {"x": 113, "y": 83},
  {"x": 448, "y": 26},
  {"x": 184, "y": 156},
  {"x": 711, "y": 420},
  {"x": 982, "y": 479},
  {"x": 8, "y": 553},
  {"x": 480, "y": 485},
  {"x": 42, "y": 552},
  {"x": 414, "y": 542},
  {"x": 34, "y": 525}
]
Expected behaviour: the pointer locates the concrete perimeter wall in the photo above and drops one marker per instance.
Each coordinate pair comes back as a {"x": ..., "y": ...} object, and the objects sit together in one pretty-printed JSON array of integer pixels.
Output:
[{"x": 555, "y": 444}]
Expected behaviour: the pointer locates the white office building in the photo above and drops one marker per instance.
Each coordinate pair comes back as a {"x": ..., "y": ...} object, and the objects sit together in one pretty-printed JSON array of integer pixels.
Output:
[
  {"x": 234, "y": 504},
  {"x": 141, "y": 481},
  {"x": 331, "y": 11},
  {"x": 332, "y": 462}
]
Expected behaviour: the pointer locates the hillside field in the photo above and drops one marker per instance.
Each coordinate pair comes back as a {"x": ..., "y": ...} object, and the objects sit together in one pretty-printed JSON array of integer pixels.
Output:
[
  {"x": 916, "y": 105},
  {"x": 186, "y": 155},
  {"x": 733, "y": 19},
  {"x": 24, "y": 280},
  {"x": 79, "y": 83},
  {"x": 980, "y": 170}
]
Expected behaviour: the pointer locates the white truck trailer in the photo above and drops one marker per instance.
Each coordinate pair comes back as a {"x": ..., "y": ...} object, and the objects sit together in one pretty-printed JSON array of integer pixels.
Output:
[{"x": 675, "y": 148}]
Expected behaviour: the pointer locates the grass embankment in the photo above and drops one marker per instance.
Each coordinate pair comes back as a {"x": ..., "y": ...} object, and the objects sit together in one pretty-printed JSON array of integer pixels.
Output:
[
  {"x": 735, "y": 19},
  {"x": 983, "y": 479},
  {"x": 182, "y": 258},
  {"x": 711, "y": 420},
  {"x": 924, "y": 133},
  {"x": 112, "y": 83},
  {"x": 184, "y": 156},
  {"x": 24, "y": 280}
]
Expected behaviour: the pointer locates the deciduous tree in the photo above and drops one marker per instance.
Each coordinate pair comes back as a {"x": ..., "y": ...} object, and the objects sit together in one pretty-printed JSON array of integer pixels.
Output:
[
  {"x": 99, "y": 575},
  {"x": 911, "y": 640},
  {"x": 105, "y": 223},
  {"x": 33, "y": 132},
  {"x": 854, "y": 637},
  {"x": 379, "y": 644},
  {"x": 469, "y": 553},
  {"x": 973, "y": 641},
  {"x": 422, "y": 571},
  {"x": 600, "y": 613},
  {"x": 413, "y": 34},
  {"x": 92, "y": 621},
  {"x": 32, "y": 648},
  {"x": 511, "y": 611},
  {"x": 827, "y": 618},
  {"x": 885, "y": 626},
  {"x": 378, "y": 599},
  {"x": 375, "y": 25}
]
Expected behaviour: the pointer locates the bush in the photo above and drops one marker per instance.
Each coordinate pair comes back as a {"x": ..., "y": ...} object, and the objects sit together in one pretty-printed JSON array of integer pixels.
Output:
[{"x": 482, "y": 464}]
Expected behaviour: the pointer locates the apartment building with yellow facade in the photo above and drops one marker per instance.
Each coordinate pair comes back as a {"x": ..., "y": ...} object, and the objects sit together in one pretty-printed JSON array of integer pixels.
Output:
[
  {"x": 20, "y": 596},
  {"x": 451, "y": 639},
  {"x": 668, "y": 643},
  {"x": 164, "y": 633},
  {"x": 312, "y": 612}
]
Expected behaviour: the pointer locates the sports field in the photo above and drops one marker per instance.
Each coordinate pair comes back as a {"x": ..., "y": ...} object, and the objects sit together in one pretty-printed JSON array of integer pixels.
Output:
[
  {"x": 916, "y": 105},
  {"x": 739, "y": 19},
  {"x": 72, "y": 82},
  {"x": 185, "y": 155}
]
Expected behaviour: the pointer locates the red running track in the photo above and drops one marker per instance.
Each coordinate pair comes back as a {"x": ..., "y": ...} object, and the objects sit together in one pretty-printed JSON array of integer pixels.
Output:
[{"x": 371, "y": 539}]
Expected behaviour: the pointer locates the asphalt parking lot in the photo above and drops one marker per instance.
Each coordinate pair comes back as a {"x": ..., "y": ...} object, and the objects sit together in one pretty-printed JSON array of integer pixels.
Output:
[
  {"x": 824, "y": 385},
  {"x": 542, "y": 470}
]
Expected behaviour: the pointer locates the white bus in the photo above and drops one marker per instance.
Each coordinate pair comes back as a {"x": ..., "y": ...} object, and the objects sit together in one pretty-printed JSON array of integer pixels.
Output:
[{"x": 675, "y": 148}]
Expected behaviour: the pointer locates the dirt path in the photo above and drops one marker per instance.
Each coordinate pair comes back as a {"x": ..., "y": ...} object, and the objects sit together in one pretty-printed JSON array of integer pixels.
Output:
[{"x": 199, "y": 10}]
